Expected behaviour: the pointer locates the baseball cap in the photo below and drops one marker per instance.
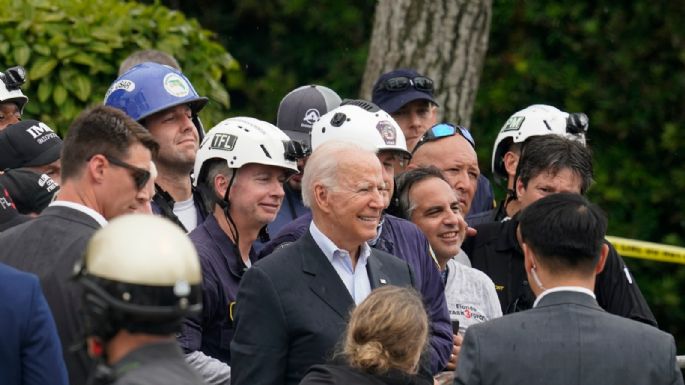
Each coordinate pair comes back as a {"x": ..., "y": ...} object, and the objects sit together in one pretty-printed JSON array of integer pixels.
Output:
[
  {"x": 28, "y": 143},
  {"x": 30, "y": 191},
  {"x": 9, "y": 216},
  {"x": 302, "y": 107},
  {"x": 396, "y": 88}
]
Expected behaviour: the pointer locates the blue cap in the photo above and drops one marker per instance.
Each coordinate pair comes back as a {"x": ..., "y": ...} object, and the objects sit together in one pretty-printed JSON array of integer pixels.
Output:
[{"x": 391, "y": 101}]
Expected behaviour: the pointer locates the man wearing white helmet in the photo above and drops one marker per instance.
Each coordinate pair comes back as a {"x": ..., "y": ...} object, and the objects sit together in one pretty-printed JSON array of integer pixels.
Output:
[
  {"x": 363, "y": 122},
  {"x": 297, "y": 112},
  {"x": 12, "y": 100},
  {"x": 140, "y": 276},
  {"x": 241, "y": 167},
  {"x": 534, "y": 120},
  {"x": 549, "y": 164}
]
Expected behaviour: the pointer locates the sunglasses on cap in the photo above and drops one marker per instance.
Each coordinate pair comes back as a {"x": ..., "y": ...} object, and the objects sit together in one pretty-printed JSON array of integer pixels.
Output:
[
  {"x": 295, "y": 150},
  {"x": 140, "y": 176},
  {"x": 444, "y": 130},
  {"x": 400, "y": 83}
]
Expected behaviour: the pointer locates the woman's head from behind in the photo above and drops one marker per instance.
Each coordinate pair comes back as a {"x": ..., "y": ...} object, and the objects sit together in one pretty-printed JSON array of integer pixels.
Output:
[{"x": 388, "y": 330}]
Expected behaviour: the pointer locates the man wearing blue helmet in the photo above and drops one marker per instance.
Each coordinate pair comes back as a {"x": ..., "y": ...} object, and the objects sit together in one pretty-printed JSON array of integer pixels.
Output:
[{"x": 164, "y": 101}]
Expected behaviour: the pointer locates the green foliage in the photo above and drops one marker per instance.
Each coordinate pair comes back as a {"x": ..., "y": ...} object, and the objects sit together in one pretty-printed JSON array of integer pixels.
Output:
[
  {"x": 283, "y": 44},
  {"x": 72, "y": 50},
  {"x": 622, "y": 64}
]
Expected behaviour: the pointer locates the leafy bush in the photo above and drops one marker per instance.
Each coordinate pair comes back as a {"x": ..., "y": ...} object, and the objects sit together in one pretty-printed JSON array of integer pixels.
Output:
[{"x": 72, "y": 50}]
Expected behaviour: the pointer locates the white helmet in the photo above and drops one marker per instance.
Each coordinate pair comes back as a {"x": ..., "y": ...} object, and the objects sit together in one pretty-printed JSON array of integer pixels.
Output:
[
  {"x": 140, "y": 273},
  {"x": 359, "y": 120},
  {"x": 536, "y": 120},
  {"x": 244, "y": 140},
  {"x": 10, "y": 81}
]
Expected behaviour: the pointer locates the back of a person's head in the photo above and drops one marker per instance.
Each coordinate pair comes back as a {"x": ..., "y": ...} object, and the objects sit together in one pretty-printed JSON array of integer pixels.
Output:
[
  {"x": 553, "y": 153},
  {"x": 101, "y": 130},
  {"x": 147, "y": 55},
  {"x": 565, "y": 231},
  {"x": 389, "y": 330}
]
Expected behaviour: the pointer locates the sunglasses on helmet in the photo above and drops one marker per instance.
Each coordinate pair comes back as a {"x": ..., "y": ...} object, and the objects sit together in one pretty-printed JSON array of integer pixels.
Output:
[
  {"x": 140, "y": 176},
  {"x": 400, "y": 83},
  {"x": 444, "y": 130},
  {"x": 295, "y": 150}
]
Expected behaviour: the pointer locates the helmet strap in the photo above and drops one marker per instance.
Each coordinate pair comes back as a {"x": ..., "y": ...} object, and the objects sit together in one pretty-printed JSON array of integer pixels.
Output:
[{"x": 231, "y": 224}]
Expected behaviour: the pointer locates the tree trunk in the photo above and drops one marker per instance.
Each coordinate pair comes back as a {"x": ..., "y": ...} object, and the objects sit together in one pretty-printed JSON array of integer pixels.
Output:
[{"x": 445, "y": 40}]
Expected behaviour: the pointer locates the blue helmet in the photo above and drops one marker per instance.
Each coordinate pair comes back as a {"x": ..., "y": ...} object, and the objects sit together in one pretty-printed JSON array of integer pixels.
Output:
[{"x": 150, "y": 87}]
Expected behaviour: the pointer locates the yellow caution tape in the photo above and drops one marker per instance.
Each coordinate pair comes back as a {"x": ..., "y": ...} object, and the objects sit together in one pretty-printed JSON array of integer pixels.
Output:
[{"x": 648, "y": 250}]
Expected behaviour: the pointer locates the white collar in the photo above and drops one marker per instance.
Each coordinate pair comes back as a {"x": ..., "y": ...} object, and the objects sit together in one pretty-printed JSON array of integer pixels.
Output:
[
  {"x": 84, "y": 209},
  {"x": 577, "y": 289},
  {"x": 329, "y": 248}
]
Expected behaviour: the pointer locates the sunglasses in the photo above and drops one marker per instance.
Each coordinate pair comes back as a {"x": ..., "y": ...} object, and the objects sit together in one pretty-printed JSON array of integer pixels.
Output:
[
  {"x": 400, "y": 83},
  {"x": 444, "y": 130},
  {"x": 295, "y": 150},
  {"x": 140, "y": 176}
]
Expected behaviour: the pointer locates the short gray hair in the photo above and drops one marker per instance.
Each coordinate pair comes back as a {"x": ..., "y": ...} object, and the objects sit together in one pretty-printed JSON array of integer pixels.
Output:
[
  {"x": 211, "y": 169},
  {"x": 322, "y": 166}
]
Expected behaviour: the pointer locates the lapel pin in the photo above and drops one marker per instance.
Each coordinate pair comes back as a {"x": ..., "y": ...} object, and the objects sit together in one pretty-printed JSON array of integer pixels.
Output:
[{"x": 383, "y": 281}]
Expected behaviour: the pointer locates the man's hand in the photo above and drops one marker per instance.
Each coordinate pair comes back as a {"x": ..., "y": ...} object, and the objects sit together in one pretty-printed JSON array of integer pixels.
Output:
[{"x": 456, "y": 348}]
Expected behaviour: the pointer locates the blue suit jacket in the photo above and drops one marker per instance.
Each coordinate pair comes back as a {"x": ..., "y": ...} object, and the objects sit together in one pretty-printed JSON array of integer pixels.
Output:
[{"x": 30, "y": 351}]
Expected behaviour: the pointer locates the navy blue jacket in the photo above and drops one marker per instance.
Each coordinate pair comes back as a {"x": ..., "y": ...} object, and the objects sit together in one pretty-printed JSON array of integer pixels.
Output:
[
  {"x": 30, "y": 350},
  {"x": 212, "y": 330},
  {"x": 402, "y": 239}
]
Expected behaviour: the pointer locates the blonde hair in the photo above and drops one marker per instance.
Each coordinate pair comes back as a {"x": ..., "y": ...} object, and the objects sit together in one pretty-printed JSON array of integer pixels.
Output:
[{"x": 388, "y": 330}]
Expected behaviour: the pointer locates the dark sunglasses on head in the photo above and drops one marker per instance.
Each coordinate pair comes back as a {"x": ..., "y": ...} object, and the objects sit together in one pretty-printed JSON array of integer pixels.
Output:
[
  {"x": 400, "y": 83},
  {"x": 140, "y": 176},
  {"x": 444, "y": 130},
  {"x": 295, "y": 150}
]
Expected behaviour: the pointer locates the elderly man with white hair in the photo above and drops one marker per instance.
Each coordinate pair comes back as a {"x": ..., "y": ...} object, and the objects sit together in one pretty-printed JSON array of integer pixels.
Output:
[{"x": 292, "y": 307}]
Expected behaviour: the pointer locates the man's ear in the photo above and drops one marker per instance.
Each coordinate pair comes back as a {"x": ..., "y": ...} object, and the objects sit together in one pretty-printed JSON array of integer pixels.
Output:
[
  {"x": 96, "y": 168},
  {"x": 220, "y": 185},
  {"x": 322, "y": 197},
  {"x": 603, "y": 252},
  {"x": 520, "y": 189},
  {"x": 528, "y": 257},
  {"x": 511, "y": 161}
]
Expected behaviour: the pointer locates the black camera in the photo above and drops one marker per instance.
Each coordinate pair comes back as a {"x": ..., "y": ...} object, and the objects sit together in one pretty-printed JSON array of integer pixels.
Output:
[{"x": 13, "y": 77}]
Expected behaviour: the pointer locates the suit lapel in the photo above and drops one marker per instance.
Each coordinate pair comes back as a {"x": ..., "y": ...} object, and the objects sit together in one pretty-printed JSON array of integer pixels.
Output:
[
  {"x": 325, "y": 282},
  {"x": 377, "y": 276}
]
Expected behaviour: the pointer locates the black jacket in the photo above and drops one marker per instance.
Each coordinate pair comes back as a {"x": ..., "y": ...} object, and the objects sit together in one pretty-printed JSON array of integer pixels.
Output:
[{"x": 496, "y": 251}]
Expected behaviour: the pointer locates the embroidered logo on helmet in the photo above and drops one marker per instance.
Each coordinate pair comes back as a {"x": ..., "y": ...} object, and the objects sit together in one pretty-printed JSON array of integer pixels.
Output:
[
  {"x": 176, "y": 85},
  {"x": 387, "y": 132},
  {"x": 224, "y": 142},
  {"x": 125, "y": 85},
  {"x": 513, "y": 124}
]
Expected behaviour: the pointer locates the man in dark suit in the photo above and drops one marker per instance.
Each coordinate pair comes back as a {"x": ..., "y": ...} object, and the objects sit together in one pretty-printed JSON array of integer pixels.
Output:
[
  {"x": 566, "y": 338},
  {"x": 292, "y": 307},
  {"x": 106, "y": 159}
]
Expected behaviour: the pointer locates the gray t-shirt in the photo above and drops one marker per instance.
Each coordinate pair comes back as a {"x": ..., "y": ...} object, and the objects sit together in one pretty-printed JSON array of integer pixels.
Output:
[{"x": 471, "y": 296}]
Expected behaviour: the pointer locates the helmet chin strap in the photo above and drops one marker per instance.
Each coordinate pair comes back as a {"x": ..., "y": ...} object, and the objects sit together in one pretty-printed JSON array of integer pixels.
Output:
[{"x": 225, "y": 203}]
